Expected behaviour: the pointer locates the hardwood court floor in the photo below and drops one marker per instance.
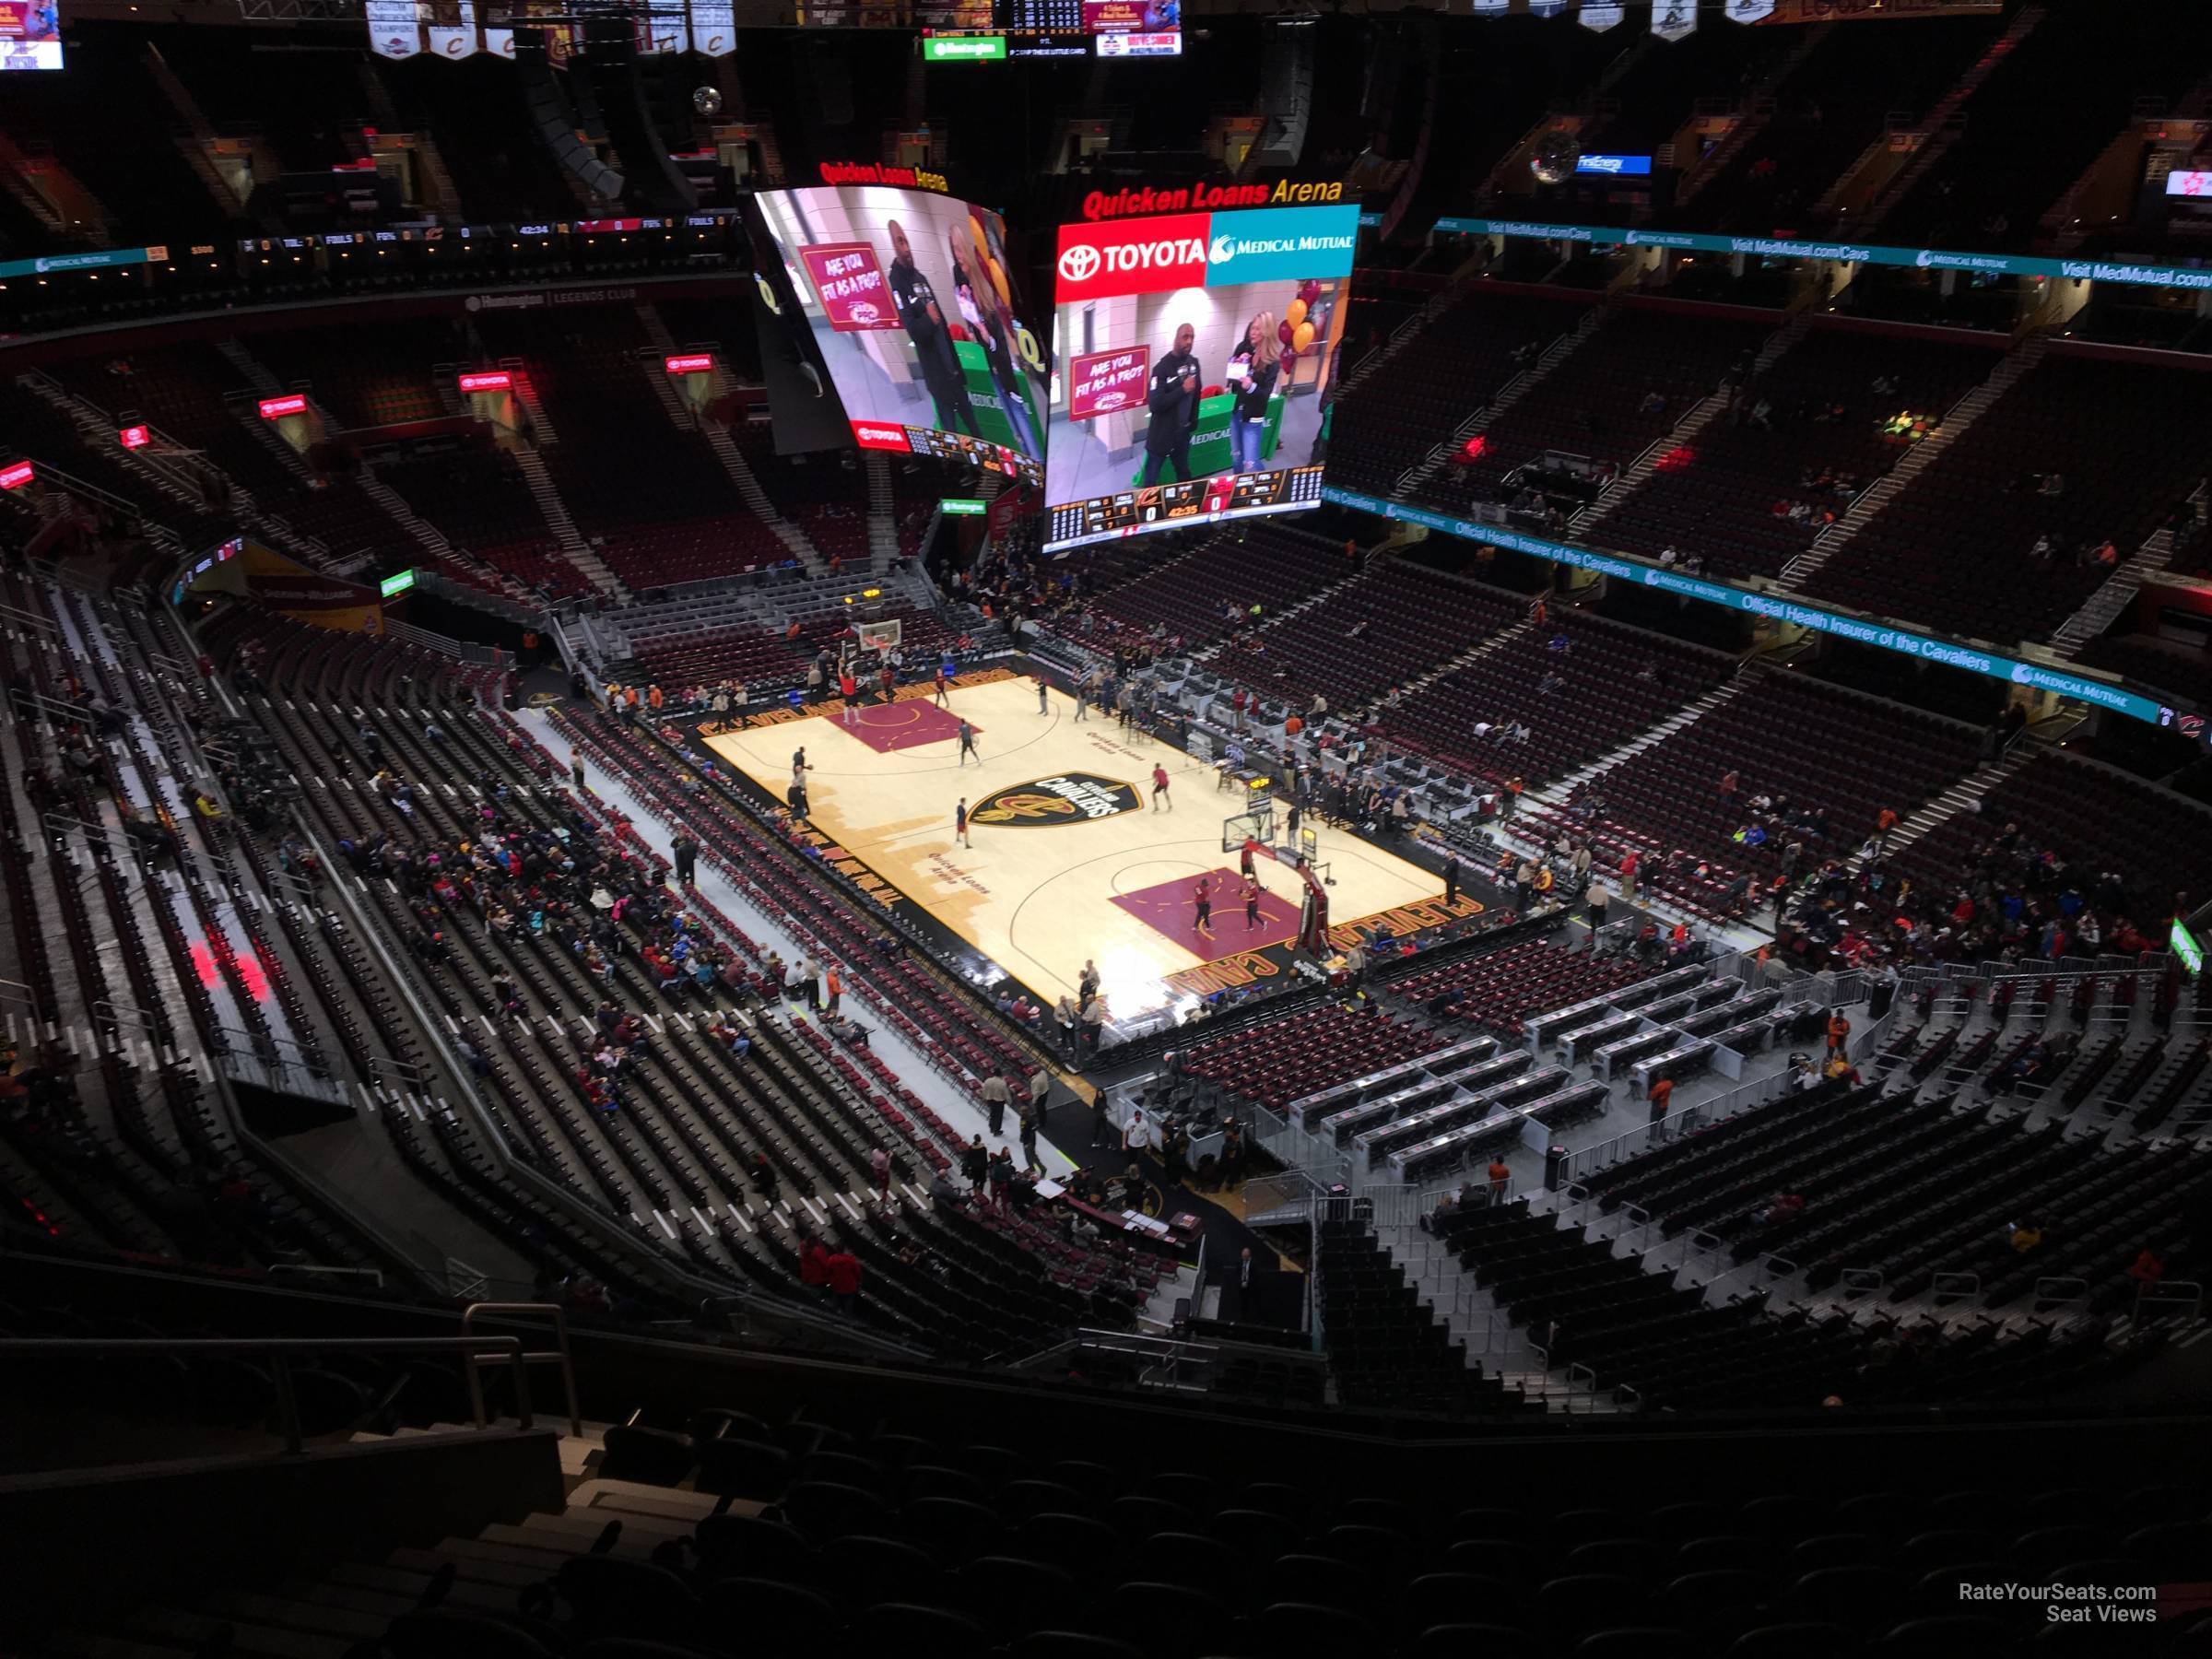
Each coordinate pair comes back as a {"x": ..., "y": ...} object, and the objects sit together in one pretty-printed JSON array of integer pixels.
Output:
[{"x": 1075, "y": 865}]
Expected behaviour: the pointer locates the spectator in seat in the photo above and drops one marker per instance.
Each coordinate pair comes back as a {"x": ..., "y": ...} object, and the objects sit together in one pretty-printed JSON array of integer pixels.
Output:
[
  {"x": 2025, "y": 1237},
  {"x": 850, "y": 1032},
  {"x": 2147, "y": 1270}
]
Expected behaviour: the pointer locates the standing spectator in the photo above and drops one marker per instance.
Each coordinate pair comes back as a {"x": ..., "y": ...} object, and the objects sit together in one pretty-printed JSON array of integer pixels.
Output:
[
  {"x": 1027, "y": 1132},
  {"x": 1451, "y": 878},
  {"x": 975, "y": 1161},
  {"x": 1839, "y": 1032},
  {"x": 1000, "y": 1173},
  {"x": 996, "y": 1095},
  {"x": 1501, "y": 1176},
  {"x": 833, "y": 989},
  {"x": 1040, "y": 1089},
  {"x": 1599, "y": 899},
  {"x": 687, "y": 859},
  {"x": 1628, "y": 875},
  {"x": 1662, "y": 1093},
  {"x": 879, "y": 1166},
  {"x": 576, "y": 767},
  {"x": 1232, "y": 1153},
  {"x": 814, "y": 1264},
  {"x": 1140, "y": 1138},
  {"x": 843, "y": 1268},
  {"x": 1094, "y": 1023}
]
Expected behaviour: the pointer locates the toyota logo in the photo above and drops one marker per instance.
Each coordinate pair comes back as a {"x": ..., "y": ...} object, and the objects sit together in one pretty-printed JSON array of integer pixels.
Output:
[{"x": 1078, "y": 264}]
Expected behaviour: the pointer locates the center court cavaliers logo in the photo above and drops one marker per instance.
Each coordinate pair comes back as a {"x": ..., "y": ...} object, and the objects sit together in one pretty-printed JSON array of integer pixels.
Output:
[{"x": 1070, "y": 798}]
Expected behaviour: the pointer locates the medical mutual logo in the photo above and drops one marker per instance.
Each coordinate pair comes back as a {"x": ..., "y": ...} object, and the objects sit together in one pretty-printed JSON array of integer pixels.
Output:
[{"x": 1281, "y": 244}]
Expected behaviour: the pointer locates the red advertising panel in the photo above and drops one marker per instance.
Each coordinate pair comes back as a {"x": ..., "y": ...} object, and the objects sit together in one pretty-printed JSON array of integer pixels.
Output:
[
  {"x": 133, "y": 437},
  {"x": 1144, "y": 256},
  {"x": 1117, "y": 16},
  {"x": 1099, "y": 383},
  {"x": 872, "y": 434},
  {"x": 277, "y": 409},
  {"x": 850, "y": 282},
  {"x": 15, "y": 476},
  {"x": 491, "y": 379},
  {"x": 694, "y": 362}
]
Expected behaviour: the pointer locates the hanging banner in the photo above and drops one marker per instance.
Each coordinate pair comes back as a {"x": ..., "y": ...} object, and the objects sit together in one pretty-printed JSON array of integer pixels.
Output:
[
  {"x": 1546, "y": 8},
  {"x": 1492, "y": 8},
  {"x": 453, "y": 32},
  {"x": 663, "y": 28},
  {"x": 1674, "y": 19},
  {"x": 500, "y": 42},
  {"x": 1750, "y": 11},
  {"x": 394, "y": 28},
  {"x": 713, "y": 28},
  {"x": 1601, "y": 15}
]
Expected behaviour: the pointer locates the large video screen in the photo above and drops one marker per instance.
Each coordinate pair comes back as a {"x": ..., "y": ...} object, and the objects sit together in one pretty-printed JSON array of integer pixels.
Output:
[
  {"x": 1191, "y": 351},
  {"x": 30, "y": 34},
  {"x": 914, "y": 305}
]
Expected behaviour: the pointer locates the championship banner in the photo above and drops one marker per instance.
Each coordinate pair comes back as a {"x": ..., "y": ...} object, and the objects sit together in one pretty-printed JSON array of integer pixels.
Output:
[
  {"x": 453, "y": 35},
  {"x": 663, "y": 29},
  {"x": 500, "y": 42},
  {"x": 1750, "y": 11},
  {"x": 713, "y": 28},
  {"x": 1602, "y": 15},
  {"x": 394, "y": 28},
  {"x": 1674, "y": 19}
]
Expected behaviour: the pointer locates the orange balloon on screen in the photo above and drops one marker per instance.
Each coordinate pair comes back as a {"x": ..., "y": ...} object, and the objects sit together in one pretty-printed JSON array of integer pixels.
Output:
[
  {"x": 998, "y": 280},
  {"x": 1296, "y": 314},
  {"x": 1303, "y": 336}
]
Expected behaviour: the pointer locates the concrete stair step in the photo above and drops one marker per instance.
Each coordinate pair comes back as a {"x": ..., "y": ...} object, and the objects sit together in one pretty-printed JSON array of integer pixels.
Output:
[
  {"x": 172, "y": 1625},
  {"x": 289, "y": 1613}
]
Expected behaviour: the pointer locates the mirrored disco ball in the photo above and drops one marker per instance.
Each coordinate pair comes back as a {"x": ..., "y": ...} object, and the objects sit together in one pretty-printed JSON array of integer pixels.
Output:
[
  {"x": 706, "y": 101},
  {"x": 1553, "y": 158}
]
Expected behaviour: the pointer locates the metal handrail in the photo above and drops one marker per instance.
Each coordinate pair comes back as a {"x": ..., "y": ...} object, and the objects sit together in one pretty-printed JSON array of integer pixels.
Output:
[
  {"x": 2178, "y": 1293},
  {"x": 559, "y": 1351},
  {"x": 280, "y": 1351}
]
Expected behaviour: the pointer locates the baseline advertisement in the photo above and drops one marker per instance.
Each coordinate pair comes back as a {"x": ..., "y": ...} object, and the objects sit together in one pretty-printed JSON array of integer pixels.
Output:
[
  {"x": 1193, "y": 350},
  {"x": 912, "y": 306}
]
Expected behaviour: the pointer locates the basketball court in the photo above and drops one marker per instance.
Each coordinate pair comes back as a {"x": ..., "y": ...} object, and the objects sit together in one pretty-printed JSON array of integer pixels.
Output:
[{"x": 1069, "y": 859}]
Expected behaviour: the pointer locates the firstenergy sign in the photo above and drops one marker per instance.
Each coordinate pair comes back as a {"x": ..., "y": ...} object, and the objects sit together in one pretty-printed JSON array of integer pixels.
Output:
[{"x": 1203, "y": 250}]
